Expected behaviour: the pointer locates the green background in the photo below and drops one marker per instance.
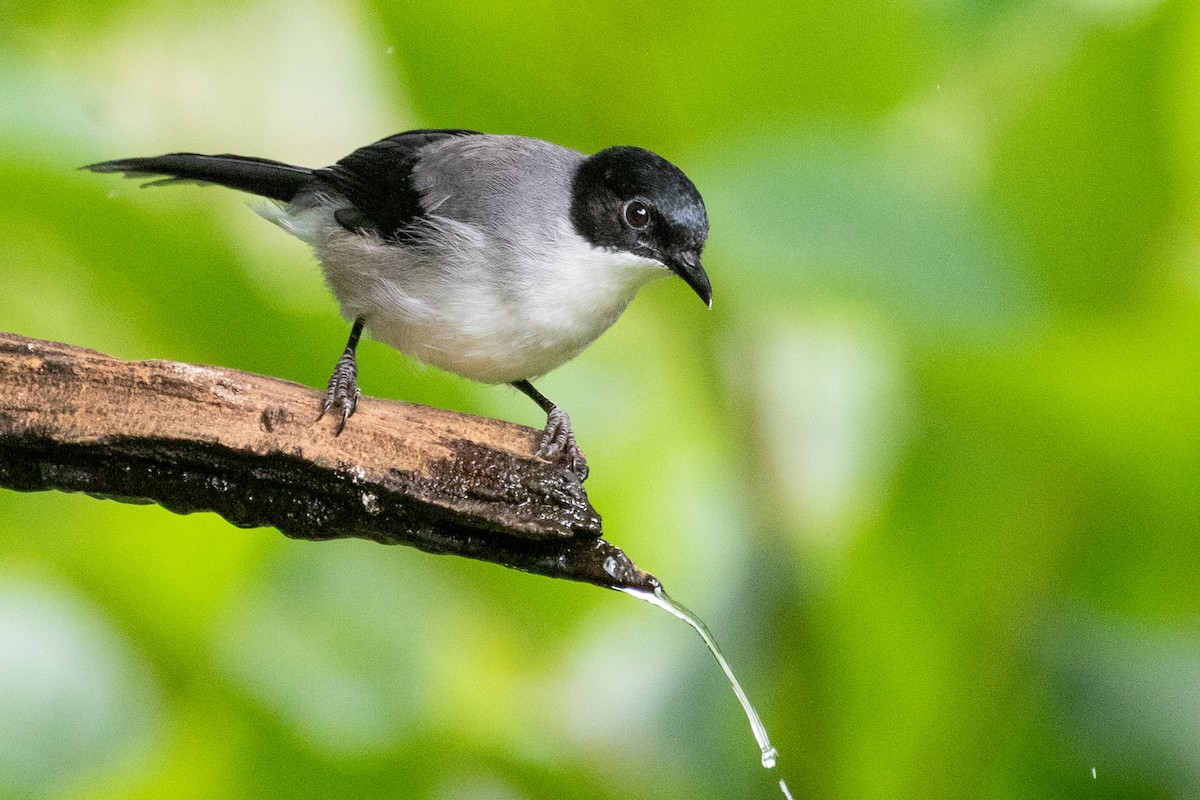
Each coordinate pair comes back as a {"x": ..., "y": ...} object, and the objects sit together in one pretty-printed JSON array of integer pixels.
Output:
[{"x": 930, "y": 468}]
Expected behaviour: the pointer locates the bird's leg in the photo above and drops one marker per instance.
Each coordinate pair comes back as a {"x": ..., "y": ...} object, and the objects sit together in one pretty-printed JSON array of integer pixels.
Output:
[
  {"x": 558, "y": 440},
  {"x": 343, "y": 391}
]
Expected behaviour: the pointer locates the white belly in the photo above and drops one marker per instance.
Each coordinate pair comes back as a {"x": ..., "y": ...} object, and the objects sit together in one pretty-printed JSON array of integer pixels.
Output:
[{"x": 487, "y": 313}]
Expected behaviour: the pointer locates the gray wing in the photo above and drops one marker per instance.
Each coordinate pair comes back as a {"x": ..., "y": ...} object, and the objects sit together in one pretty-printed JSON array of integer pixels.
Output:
[{"x": 377, "y": 182}]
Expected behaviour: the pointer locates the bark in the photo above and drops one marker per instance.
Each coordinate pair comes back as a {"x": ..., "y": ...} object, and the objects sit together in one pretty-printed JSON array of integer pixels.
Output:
[{"x": 249, "y": 447}]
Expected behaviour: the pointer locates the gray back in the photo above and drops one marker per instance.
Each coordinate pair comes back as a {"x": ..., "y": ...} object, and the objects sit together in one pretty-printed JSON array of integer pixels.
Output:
[{"x": 515, "y": 188}]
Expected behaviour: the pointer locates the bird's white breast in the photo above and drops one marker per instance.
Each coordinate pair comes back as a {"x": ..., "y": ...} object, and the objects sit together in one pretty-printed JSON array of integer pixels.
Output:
[
  {"x": 470, "y": 304},
  {"x": 492, "y": 282}
]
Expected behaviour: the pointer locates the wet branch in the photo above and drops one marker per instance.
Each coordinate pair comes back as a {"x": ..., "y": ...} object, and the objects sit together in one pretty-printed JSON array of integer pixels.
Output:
[{"x": 248, "y": 447}]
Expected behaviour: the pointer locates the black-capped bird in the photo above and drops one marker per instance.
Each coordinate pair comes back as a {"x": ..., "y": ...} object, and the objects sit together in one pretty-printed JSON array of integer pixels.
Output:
[{"x": 497, "y": 258}]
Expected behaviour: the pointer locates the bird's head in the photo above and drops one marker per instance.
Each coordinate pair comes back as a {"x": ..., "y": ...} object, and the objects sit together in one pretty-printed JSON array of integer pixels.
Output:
[{"x": 632, "y": 200}]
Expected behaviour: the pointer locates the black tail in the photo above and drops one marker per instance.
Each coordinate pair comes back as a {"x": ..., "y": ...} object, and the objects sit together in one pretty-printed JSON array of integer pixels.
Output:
[{"x": 261, "y": 176}]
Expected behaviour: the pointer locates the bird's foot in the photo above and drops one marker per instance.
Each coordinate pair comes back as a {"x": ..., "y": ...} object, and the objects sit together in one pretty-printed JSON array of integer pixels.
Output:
[
  {"x": 343, "y": 392},
  {"x": 558, "y": 444}
]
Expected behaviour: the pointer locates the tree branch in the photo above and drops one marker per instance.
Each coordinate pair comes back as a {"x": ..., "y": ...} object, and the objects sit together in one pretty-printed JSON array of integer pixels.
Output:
[{"x": 194, "y": 438}]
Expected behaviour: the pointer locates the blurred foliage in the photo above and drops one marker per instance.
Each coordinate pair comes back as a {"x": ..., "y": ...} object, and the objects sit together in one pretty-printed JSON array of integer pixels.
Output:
[{"x": 929, "y": 469}]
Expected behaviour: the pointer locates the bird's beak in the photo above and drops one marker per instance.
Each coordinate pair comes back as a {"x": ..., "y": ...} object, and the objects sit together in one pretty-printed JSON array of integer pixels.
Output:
[{"x": 687, "y": 266}]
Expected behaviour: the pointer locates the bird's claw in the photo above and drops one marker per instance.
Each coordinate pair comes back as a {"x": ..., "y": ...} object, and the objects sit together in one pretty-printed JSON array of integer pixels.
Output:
[
  {"x": 343, "y": 392},
  {"x": 558, "y": 444}
]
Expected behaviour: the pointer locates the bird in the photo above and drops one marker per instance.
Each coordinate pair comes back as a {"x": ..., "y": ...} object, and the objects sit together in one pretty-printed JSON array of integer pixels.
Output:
[{"x": 494, "y": 257}]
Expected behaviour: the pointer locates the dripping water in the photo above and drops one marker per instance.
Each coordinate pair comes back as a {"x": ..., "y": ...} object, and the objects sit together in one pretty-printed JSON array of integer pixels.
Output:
[{"x": 661, "y": 599}]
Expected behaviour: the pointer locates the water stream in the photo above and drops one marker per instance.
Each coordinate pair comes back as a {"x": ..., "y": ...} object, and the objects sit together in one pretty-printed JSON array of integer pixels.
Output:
[{"x": 661, "y": 599}]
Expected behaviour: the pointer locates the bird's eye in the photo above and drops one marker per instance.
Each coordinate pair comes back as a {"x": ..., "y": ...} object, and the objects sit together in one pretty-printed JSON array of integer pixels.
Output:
[{"x": 637, "y": 216}]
